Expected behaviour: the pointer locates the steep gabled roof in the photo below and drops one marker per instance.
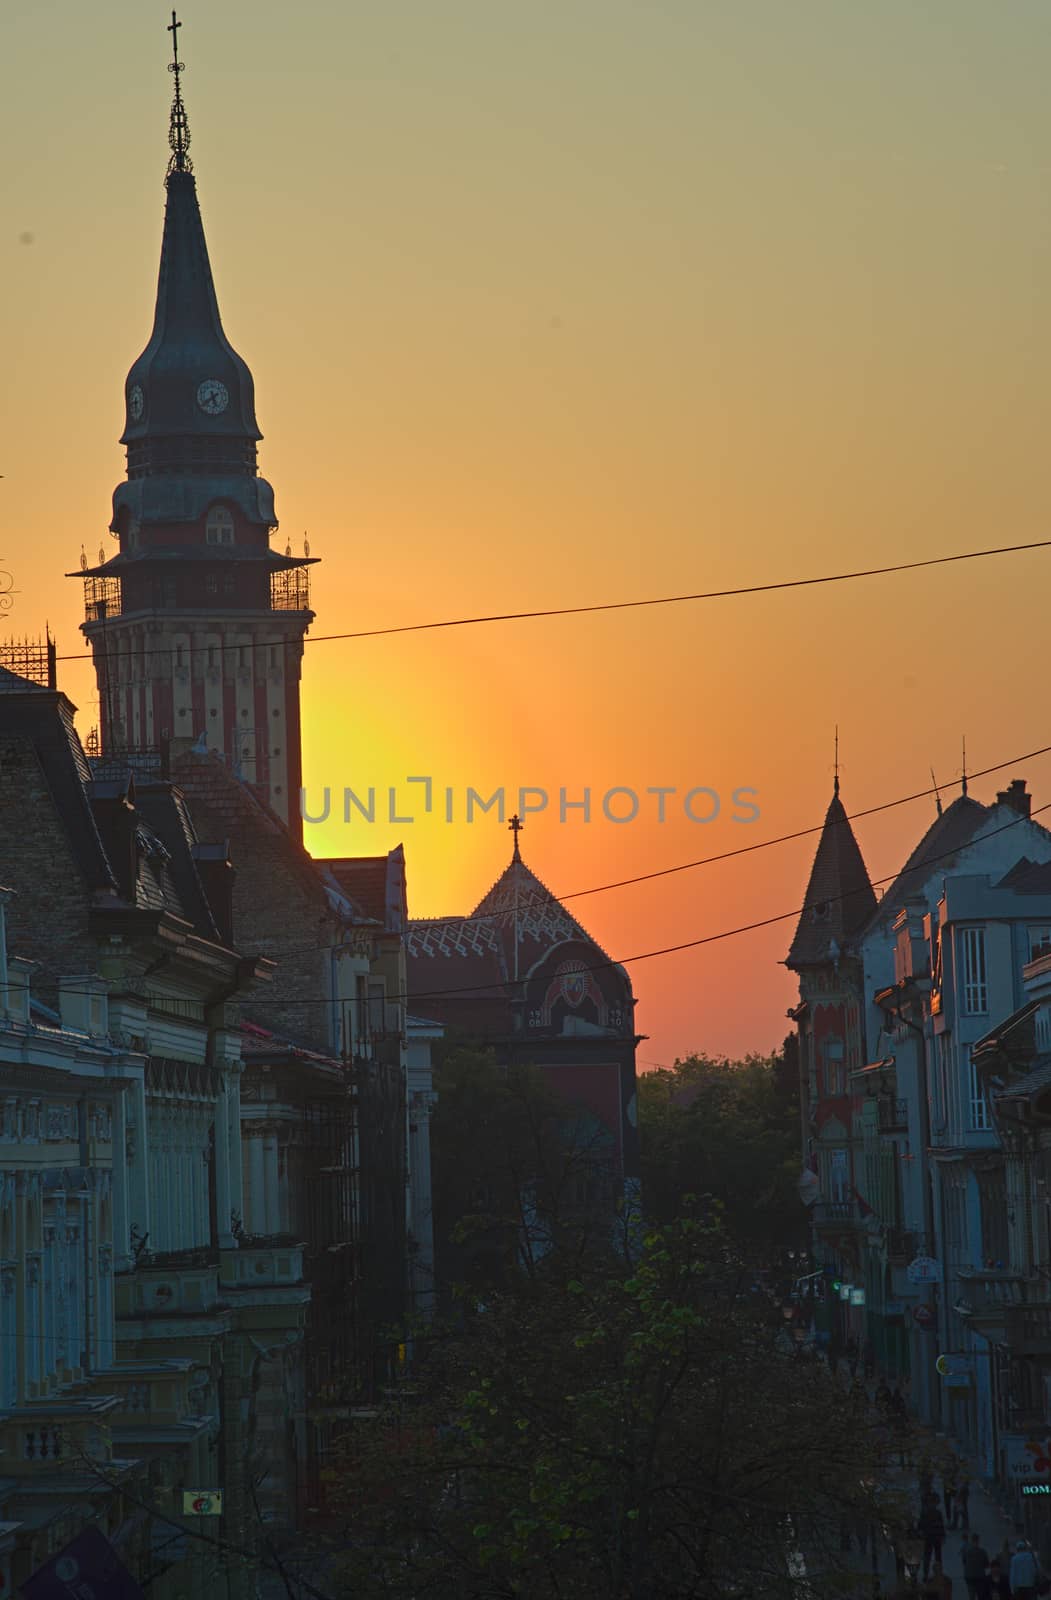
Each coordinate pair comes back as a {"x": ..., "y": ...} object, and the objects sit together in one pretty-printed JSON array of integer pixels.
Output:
[
  {"x": 839, "y": 898},
  {"x": 42, "y": 719},
  {"x": 950, "y": 832},
  {"x": 376, "y": 884}
]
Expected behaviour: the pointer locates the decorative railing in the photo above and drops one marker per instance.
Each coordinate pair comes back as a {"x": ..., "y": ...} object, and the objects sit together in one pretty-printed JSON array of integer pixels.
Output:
[
  {"x": 893, "y": 1114},
  {"x": 1029, "y": 1326},
  {"x": 290, "y": 589},
  {"x": 832, "y": 1211},
  {"x": 102, "y": 599}
]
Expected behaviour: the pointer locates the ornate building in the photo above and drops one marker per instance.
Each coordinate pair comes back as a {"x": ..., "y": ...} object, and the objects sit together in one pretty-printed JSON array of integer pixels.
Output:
[
  {"x": 196, "y": 625},
  {"x": 141, "y": 1317},
  {"x": 522, "y": 976}
]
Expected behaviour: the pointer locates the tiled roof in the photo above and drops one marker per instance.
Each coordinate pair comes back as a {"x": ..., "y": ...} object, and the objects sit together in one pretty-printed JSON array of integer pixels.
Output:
[
  {"x": 839, "y": 897},
  {"x": 375, "y": 883},
  {"x": 474, "y": 956},
  {"x": 42, "y": 719}
]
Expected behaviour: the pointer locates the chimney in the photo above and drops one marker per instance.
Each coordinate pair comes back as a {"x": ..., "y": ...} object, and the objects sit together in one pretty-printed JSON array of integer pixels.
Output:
[{"x": 1016, "y": 797}]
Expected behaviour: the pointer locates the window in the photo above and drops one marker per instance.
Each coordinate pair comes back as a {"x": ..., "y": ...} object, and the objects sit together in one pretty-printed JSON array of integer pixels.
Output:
[
  {"x": 133, "y": 534},
  {"x": 212, "y": 583},
  {"x": 833, "y": 1053},
  {"x": 219, "y": 527},
  {"x": 1038, "y": 938},
  {"x": 377, "y": 997},
  {"x": 979, "y": 1106},
  {"x": 944, "y": 1076},
  {"x": 838, "y": 1176},
  {"x": 975, "y": 991}
]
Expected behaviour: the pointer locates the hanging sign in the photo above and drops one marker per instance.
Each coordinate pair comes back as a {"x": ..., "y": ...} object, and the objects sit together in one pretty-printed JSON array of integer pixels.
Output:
[
  {"x": 857, "y": 1297},
  {"x": 924, "y": 1269},
  {"x": 923, "y": 1316},
  {"x": 202, "y": 1503}
]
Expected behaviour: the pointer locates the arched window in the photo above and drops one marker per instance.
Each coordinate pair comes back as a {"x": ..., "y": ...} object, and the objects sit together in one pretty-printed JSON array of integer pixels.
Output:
[{"x": 219, "y": 528}]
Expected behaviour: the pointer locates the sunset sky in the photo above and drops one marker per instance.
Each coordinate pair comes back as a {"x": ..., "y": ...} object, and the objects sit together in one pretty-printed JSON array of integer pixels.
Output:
[{"x": 559, "y": 303}]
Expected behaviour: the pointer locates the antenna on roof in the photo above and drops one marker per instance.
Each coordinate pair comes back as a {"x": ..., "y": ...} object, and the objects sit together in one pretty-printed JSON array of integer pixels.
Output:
[
  {"x": 937, "y": 796},
  {"x": 963, "y": 784}
]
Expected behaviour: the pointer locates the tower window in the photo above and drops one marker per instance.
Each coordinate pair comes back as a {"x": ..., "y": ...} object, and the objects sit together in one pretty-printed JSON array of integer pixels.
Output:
[
  {"x": 219, "y": 528},
  {"x": 212, "y": 583}
]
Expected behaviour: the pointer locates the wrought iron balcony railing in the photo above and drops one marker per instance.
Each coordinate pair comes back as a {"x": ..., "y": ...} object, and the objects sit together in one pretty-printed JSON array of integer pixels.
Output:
[
  {"x": 290, "y": 589},
  {"x": 830, "y": 1212},
  {"x": 893, "y": 1114},
  {"x": 102, "y": 599}
]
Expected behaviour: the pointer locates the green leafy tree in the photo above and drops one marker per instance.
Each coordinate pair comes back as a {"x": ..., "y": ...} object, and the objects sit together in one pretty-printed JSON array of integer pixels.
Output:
[
  {"x": 635, "y": 1429},
  {"x": 728, "y": 1129}
]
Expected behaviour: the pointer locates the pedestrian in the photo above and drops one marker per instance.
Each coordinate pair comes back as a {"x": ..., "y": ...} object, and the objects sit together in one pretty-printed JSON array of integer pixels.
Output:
[
  {"x": 1024, "y": 1572},
  {"x": 949, "y": 1495},
  {"x": 999, "y": 1583},
  {"x": 932, "y": 1527},
  {"x": 975, "y": 1567},
  {"x": 963, "y": 1500}
]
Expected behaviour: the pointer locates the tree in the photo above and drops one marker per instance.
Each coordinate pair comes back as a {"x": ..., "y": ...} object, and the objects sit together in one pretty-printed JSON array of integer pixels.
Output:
[
  {"x": 515, "y": 1168},
  {"x": 622, "y": 1427},
  {"x": 729, "y": 1129}
]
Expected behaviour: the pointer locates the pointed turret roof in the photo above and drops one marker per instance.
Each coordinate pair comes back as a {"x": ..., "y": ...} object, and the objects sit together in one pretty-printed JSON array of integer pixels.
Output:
[
  {"x": 839, "y": 898},
  {"x": 190, "y": 397},
  {"x": 189, "y": 381}
]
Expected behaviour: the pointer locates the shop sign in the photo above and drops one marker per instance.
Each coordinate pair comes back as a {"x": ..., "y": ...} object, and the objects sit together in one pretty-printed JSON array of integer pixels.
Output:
[
  {"x": 1026, "y": 1459},
  {"x": 202, "y": 1503},
  {"x": 1036, "y": 1488},
  {"x": 857, "y": 1297},
  {"x": 924, "y": 1316}
]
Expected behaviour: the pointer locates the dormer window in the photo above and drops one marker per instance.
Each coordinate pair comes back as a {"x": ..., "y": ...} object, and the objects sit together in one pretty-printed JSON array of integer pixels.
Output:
[
  {"x": 820, "y": 910},
  {"x": 219, "y": 528},
  {"x": 132, "y": 539}
]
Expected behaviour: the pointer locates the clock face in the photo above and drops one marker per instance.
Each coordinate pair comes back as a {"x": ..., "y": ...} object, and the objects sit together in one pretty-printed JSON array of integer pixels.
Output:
[
  {"x": 136, "y": 403},
  {"x": 212, "y": 396}
]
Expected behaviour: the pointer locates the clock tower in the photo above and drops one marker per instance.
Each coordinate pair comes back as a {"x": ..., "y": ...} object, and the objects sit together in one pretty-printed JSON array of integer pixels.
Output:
[{"x": 196, "y": 624}]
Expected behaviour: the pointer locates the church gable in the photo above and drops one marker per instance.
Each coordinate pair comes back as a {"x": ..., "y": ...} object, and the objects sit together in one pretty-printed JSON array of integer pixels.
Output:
[{"x": 570, "y": 991}]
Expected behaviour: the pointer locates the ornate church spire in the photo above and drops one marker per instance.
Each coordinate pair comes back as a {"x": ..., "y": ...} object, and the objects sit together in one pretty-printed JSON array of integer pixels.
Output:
[
  {"x": 179, "y": 132},
  {"x": 190, "y": 397}
]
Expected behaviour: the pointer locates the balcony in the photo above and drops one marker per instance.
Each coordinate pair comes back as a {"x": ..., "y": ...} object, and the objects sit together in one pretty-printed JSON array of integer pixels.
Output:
[
  {"x": 102, "y": 599},
  {"x": 892, "y": 1114},
  {"x": 1027, "y": 1328},
  {"x": 836, "y": 1214},
  {"x": 290, "y": 590},
  {"x": 263, "y": 1262}
]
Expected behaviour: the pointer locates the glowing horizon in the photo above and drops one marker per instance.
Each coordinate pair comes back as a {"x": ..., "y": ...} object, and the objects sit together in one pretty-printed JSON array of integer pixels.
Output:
[{"x": 549, "y": 309}]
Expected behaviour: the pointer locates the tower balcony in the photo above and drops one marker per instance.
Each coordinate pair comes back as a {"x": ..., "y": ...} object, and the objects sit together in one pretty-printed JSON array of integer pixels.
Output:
[
  {"x": 102, "y": 599},
  {"x": 290, "y": 589}
]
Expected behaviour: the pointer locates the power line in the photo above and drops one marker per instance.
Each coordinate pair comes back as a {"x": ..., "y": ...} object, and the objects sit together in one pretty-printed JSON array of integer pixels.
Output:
[
  {"x": 531, "y": 901},
  {"x": 623, "y": 961},
  {"x": 609, "y": 605}
]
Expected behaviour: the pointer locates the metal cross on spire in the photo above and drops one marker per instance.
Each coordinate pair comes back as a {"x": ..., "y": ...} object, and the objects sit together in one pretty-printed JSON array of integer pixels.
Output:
[
  {"x": 179, "y": 130},
  {"x": 963, "y": 777},
  {"x": 516, "y": 825},
  {"x": 835, "y": 780}
]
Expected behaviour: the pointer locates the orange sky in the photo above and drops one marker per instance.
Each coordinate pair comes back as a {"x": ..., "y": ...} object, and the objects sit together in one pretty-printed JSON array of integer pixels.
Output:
[{"x": 556, "y": 304}]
